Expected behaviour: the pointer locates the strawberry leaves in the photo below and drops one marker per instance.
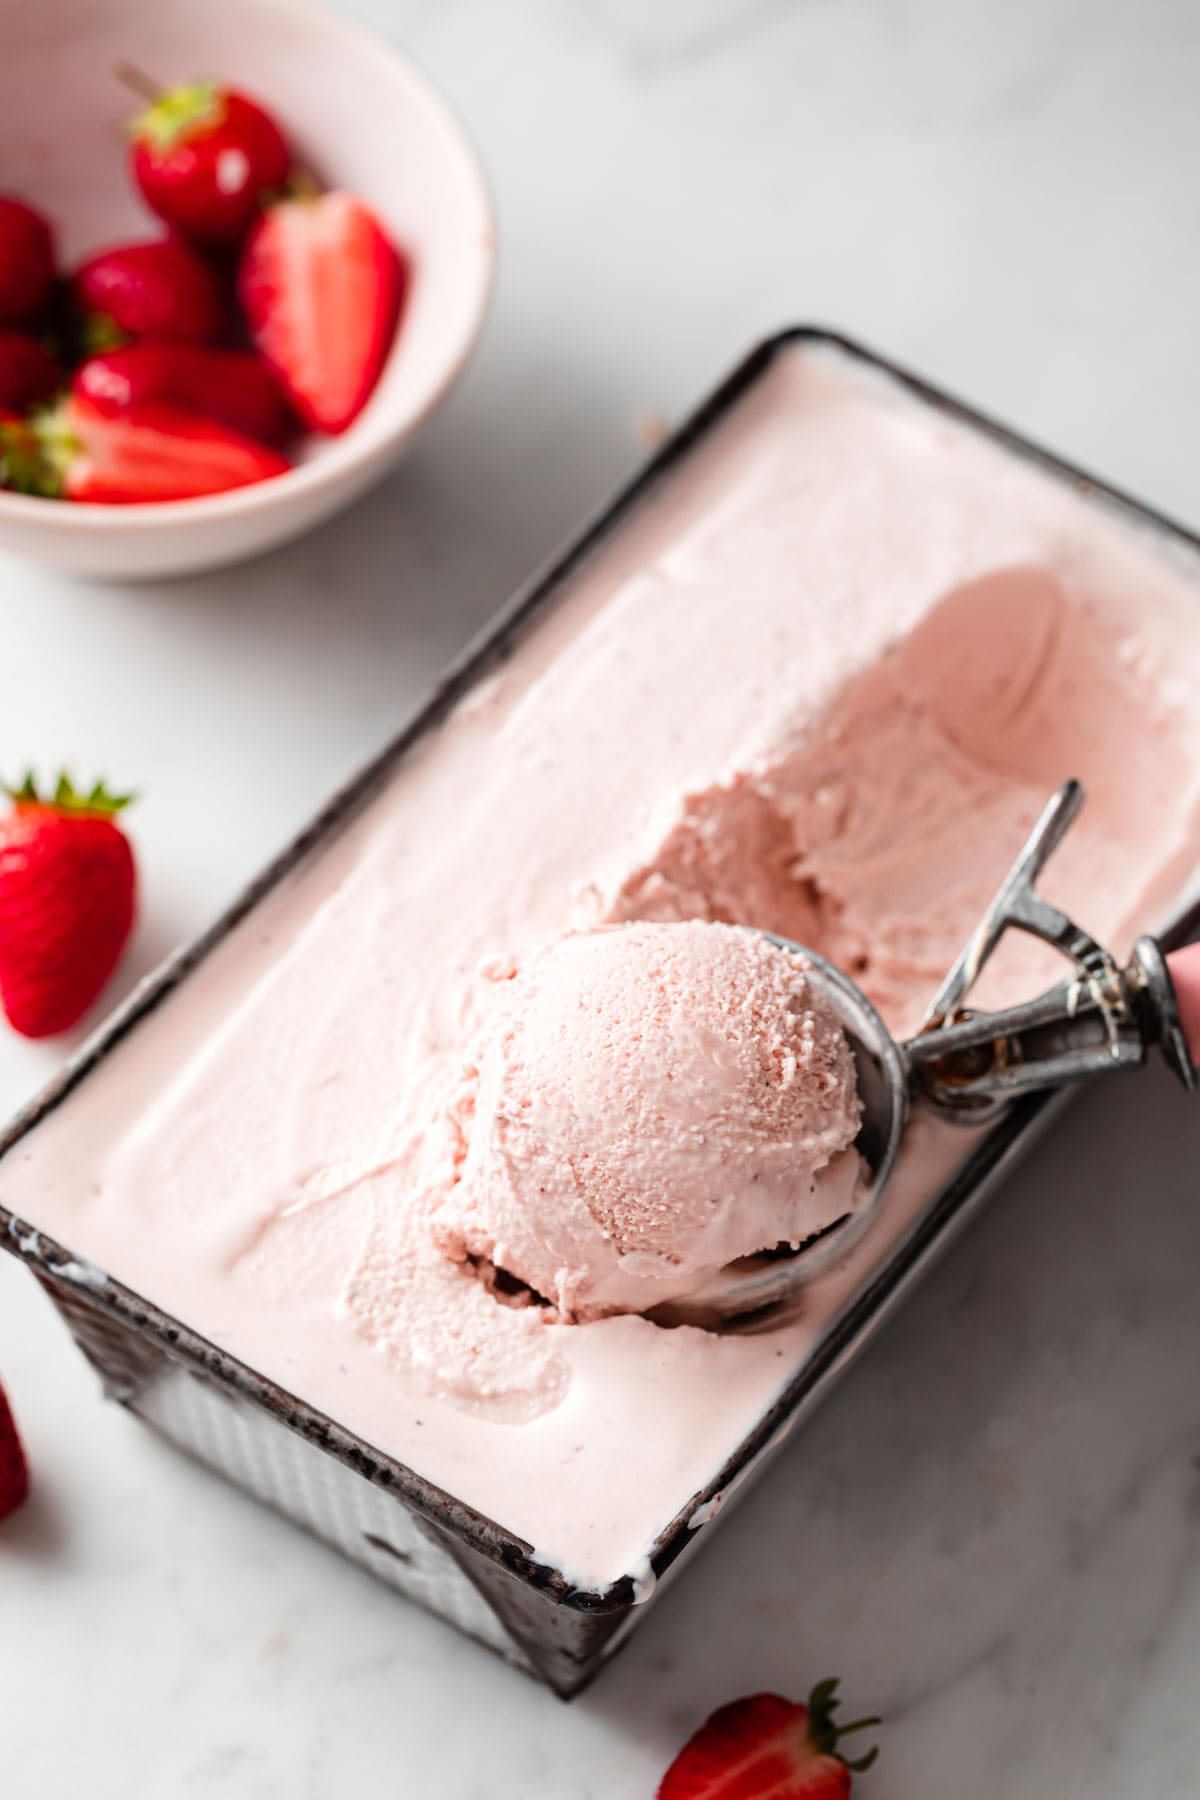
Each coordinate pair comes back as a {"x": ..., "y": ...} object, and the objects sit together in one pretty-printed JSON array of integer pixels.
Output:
[
  {"x": 826, "y": 1735},
  {"x": 67, "y": 798}
]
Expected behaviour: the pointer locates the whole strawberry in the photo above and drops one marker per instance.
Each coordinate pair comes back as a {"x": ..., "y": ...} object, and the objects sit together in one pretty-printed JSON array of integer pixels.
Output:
[
  {"x": 14, "y": 1473},
  {"x": 321, "y": 285},
  {"x": 162, "y": 292},
  {"x": 67, "y": 903},
  {"x": 769, "y": 1748},
  {"x": 234, "y": 387},
  {"x": 206, "y": 158},
  {"x": 28, "y": 373},
  {"x": 26, "y": 261}
]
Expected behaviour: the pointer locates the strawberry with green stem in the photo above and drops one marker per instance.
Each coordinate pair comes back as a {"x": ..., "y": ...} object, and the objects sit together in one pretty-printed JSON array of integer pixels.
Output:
[
  {"x": 151, "y": 451},
  {"x": 769, "y": 1748},
  {"x": 68, "y": 898},
  {"x": 205, "y": 157}
]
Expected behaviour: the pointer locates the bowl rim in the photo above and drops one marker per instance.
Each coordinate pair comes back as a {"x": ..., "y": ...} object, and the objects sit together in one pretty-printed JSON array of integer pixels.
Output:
[{"x": 351, "y": 453}]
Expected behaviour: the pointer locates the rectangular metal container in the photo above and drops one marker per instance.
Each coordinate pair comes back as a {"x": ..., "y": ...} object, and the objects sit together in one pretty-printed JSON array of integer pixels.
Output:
[{"x": 424, "y": 1542}]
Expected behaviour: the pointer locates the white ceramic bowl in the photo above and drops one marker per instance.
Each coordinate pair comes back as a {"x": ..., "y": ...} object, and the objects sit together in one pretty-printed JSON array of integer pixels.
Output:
[{"x": 361, "y": 117}]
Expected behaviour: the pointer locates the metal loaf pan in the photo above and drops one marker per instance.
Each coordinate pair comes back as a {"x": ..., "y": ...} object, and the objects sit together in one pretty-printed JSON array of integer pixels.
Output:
[{"x": 423, "y": 1541}]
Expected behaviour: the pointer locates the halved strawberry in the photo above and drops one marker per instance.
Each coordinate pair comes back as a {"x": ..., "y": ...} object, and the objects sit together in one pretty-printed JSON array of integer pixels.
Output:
[
  {"x": 150, "y": 452},
  {"x": 768, "y": 1748},
  {"x": 14, "y": 1472},
  {"x": 235, "y": 387},
  {"x": 321, "y": 285}
]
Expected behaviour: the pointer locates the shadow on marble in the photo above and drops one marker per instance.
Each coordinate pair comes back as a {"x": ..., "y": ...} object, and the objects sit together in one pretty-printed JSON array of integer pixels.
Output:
[{"x": 38, "y": 1531}]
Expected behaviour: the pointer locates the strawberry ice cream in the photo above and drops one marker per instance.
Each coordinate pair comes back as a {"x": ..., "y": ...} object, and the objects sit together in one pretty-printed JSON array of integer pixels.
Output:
[
  {"x": 821, "y": 680},
  {"x": 646, "y": 1104}
]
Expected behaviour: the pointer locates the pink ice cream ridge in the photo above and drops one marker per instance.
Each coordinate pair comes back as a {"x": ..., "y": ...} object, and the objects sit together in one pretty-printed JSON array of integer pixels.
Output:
[{"x": 646, "y": 1104}]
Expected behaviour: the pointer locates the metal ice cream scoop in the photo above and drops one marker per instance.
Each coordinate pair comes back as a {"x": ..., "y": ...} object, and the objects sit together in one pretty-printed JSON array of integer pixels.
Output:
[{"x": 966, "y": 1064}]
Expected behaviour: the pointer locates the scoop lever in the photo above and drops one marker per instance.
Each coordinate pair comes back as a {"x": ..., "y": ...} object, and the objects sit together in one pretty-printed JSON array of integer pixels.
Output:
[{"x": 1101, "y": 1019}]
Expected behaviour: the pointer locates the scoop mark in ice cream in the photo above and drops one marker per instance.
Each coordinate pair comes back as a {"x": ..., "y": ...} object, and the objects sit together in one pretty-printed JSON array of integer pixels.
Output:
[
  {"x": 643, "y": 1105},
  {"x": 875, "y": 831}
]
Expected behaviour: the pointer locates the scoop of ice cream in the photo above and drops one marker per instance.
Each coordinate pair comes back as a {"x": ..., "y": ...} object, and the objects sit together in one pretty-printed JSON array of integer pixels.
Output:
[{"x": 647, "y": 1103}]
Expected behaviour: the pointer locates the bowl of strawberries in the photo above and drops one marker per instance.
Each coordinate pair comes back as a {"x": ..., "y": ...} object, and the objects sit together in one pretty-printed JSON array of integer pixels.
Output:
[{"x": 245, "y": 249}]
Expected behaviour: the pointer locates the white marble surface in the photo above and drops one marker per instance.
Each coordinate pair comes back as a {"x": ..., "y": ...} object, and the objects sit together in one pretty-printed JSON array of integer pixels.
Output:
[{"x": 992, "y": 1531}]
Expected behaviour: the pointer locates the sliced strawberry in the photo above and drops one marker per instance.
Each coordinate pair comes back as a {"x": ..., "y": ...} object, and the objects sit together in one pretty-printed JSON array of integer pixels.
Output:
[
  {"x": 14, "y": 1472},
  {"x": 153, "y": 451},
  {"x": 206, "y": 158},
  {"x": 28, "y": 373},
  {"x": 156, "y": 452},
  {"x": 767, "y": 1748},
  {"x": 321, "y": 286},
  {"x": 235, "y": 387},
  {"x": 26, "y": 261},
  {"x": 162, "y": 292}
]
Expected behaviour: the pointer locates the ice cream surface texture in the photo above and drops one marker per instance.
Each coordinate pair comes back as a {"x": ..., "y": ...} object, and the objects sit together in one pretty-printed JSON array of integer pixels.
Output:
[
  {"x": 647, "y": 1104},
  {"x": 822, "y": 680}
]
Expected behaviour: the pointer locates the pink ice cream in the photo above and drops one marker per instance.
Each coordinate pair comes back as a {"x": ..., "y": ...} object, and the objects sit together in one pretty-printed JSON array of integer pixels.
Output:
[
  {"x": 874, "y": 828},
  {"x": 646, "y": 1104},
  {"x": 822, "y": 681}
]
